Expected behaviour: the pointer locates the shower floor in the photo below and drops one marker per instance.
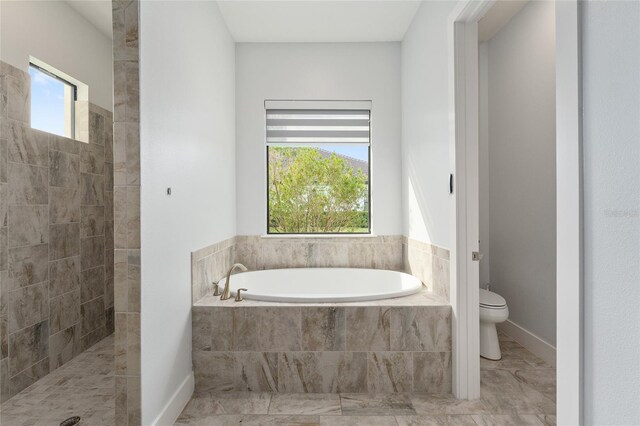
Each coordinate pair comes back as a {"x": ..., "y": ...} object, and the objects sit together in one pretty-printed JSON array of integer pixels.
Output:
[
  {"x": 517, "y": 390},
  {"x": 83, "y": 387}
]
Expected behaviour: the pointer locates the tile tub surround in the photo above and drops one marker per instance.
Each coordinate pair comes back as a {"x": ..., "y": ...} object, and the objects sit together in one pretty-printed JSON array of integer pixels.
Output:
[
  {"x": 209, "y": 265},
  {"x": 429, "y": 263},
  {"x": 519, "y": 390},
  {"x": 56, "y": 239},
  {"x": 394, "y": 345}
]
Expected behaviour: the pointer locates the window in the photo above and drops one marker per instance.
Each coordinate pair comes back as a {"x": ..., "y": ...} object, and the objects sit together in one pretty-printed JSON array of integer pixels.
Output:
[
  {"x": 318, "y": 167},
  {"x": 52, "y": 102}
]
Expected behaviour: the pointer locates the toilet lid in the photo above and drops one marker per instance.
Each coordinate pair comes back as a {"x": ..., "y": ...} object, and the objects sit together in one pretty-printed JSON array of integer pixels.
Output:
[{"x": 489, "y": 298}]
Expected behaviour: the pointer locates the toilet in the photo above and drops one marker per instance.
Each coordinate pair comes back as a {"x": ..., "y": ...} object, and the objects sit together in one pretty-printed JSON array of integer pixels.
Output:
[{"x": 493, "y": 310}]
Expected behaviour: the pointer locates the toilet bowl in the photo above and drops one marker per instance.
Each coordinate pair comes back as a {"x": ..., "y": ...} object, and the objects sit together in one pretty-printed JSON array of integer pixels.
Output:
[{"x": 493, "y": 310}]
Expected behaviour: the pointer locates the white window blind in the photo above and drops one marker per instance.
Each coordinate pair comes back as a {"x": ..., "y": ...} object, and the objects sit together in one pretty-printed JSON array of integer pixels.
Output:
[{"x": 317, "y": 126}]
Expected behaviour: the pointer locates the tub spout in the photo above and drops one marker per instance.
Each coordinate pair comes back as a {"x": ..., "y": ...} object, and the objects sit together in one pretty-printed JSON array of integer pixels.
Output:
[{"x": 226, "y": 294}]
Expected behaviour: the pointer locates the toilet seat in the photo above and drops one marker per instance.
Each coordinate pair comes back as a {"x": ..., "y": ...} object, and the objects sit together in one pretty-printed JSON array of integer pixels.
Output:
[{"x": 491, "y": 300}]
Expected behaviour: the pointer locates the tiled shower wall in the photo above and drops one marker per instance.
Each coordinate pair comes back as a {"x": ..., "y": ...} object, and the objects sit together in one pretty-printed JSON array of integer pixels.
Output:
[
  {"x": 427, "y": 262},
  {"x": 56, "y": 239}
]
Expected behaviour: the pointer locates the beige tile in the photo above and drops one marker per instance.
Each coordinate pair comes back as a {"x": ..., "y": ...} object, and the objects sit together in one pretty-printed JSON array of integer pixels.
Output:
[
  {"x": 3, "y": 159},
  {"x": 507, "y": 420},
  {"x": 92, "y": 223},
  {"x": 376, "y": 405},
  {"x": 212, "y": 329},
  {"x": 27, "y": 145},
  {"x": 428, "y": 404},
  {"x": 92, "y": 158},
  {"x": 133, "y": 218},
  {"x": 319, "y": 372},
  {"x": 424, "y": 328},
  {"x": 18, "y": 97},
  {"x": 358, "y": 420},
  {"x": 92, "y": 315},
  {"x": 64, "y": 275},
  {"x": 27, "y": 266},
  {"x": 61, "y": 143},
  {"x": 63, "y": 346},
  {"x": 213, "y": 371},
  {"x": 64, "y": 169},
  {"x": 91, "y": 252},
  {"x": 28, "y": 346},
  {"x": 64, "y": 241},
  {"x": 92, "y": 284},
  {"x": 65, "y": 311},
  {"x": 29, "y": 376},
  {"x": 390, "y": 372},
  {"x": 368, "y": 328},
  {"x": 256, "y": 371},
  {"x": 305, "y": 404},
  {"x": 27, "y": 306},
  {"x": 436, "y": 420},
  {"x": 432, "y": 372},
  {"x": 28, "y": 225},
  {"x": 91, "y": 190},
  {"x": 64, "y": 205},
  {"x": 220, "y": 403},
  {"x": 506, "y": 395},
  {"x": 323, "y": 329}
]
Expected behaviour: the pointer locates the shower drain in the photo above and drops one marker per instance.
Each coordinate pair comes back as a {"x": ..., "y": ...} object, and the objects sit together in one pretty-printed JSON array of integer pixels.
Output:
[{"x": 71, "y": 421}]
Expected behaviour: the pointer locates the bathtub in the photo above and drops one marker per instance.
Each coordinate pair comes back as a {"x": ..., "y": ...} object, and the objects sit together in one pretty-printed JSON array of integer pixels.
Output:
[{"x": 316, "y": 285}]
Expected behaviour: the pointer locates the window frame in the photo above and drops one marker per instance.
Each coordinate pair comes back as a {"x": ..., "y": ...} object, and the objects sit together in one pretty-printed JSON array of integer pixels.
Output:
[
  {"x": 73, "y": 100},
  {"x": 328, "y": 105}
]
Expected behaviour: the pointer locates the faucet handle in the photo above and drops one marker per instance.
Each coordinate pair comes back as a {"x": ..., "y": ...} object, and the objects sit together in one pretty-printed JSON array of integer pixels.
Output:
[
  {"x": 238, "y": 295},
  {"x": 216, "y": 289}
]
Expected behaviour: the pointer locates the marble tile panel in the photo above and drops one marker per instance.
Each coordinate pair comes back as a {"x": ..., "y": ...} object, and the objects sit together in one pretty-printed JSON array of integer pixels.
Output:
[
  {"x": 361, "y": 255},
  {"x": 120, "y": 344},
  {"x": 541, "y": 379},
  {"x": 215, "y": 371},
  {"x": 28, "y": 346},
  {"x": 108, "y": 206},
  {"x": 358, "y": 421},
  {"x": 306, "y": 404},
  {"x": 64, "y": 205},
  {"x": 89, "y": 340},
  {"x": 133, "y": 401},
  {"x": 324, "y": 254},
  {"x": 133, "y": 154},
  {"x": 92, "y": 158},
  {"x": 279, "y": 329},
  {"x": 91, "y": 189},
  {"x": 29, "y": 376},
  {"x": 63, "y": 346},
  {"x": 64, "y": 169},
  {"x": 548, "y": 419},
  {"x": 27, "y": 145},
  {"x": 4, "y": 337},
  {"x": 429, "y": 403},
  {"x": 507, "y": 420},
  {"x": 64, "y": 240},
  {"x": 392, "y": 404},
  {"x": 92, "y": 223},
  {"x": 368, "y": 328},
  {"x": 119, "y": 154},
  {"x": 92, "y": 315},
  {"x": 389, "y": 372},
  {"x": 317, "y": 372},
  {"x": 432, "y": 372},
  {"x": 97, "y": 131},
  {"x": 64, "y": 144},
  {"x": 245, "y": 329},
  {"x": 436, "y": 420},
  {"x": 27, "y": 306},
  {"x": 91, "y": 252},
  {"x": 4, "y": 203},
  {"x": 108, "y": 177},
  {"x": 5, "y": 389},
  {"x": 133, "y": 280},
  {"x": 3, "y": 249},
  {"x": 506, "y": 395},
  {"x": 120, "y": 281},
  {"x": 212, "y": 329},
  {"x": 92, "y": 284},
  {"x": 28, "y": 225},
  {"x": 256, "y": 371},
  {"x": 3, "y": 159},
  {"x": 18, "y": 97},
  {"x": 65, "y": 311},
  {"x": 27, "y": 266},
  {"x": 219, "y": 403},
  {"x": 64, "y": 276},
  {"x": 323, "y": 329},
  {"x": 133, "y": 218},
  {"x": 109, "y": 319},
  {"x": 421, "y": 329}
]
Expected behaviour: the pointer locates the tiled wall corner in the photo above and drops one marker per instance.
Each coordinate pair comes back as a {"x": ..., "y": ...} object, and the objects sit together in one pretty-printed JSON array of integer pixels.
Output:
[
  {"x": 53, "y": 198},
  {"x": 126, "y": 210},
  {"x": 209, "y": 265},
  {"x": 429, "y": 263}
]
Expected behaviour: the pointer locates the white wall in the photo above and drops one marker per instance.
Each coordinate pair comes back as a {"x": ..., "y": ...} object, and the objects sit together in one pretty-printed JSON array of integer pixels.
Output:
[
  {"x": 56, "y": 34},
  {"x": 364, "y": 71},
  {"x": 521, "y": 167},
  {"x": 483, "y": 159},
  {"x": 425, "y": 125},
  {"x": 187, "y": 108},
  {"x": 611, "y": 143}
]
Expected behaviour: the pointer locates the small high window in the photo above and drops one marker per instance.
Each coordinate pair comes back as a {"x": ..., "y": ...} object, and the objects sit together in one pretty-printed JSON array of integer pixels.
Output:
[
  {"x": 318, "y": 156},
  {"x": 52, "y": 102}
]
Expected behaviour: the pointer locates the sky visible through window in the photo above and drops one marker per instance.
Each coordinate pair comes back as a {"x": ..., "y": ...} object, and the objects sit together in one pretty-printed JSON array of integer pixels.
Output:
[
  {"x": 360, "y": 152},
  {"x": 47, "y": 102}
]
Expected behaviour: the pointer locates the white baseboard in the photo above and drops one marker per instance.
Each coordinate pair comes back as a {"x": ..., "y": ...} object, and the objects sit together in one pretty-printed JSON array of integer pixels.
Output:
[
  {"x": 530, "y": 341},
  {"x": 176, "y": 403}
]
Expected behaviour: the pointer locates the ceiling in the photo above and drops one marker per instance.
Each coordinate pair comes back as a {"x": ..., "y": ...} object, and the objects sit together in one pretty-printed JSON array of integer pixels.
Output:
[
  {"x": 97, "y": 12},
  {"x": 317, "y": 20}
]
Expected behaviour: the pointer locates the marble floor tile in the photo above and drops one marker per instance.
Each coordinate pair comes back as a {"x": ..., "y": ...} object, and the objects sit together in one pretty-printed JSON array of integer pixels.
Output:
[
  {"x": 548, "y": 419},
  {"x": 306, "y": 404},
  {"x": 358, "y": 420},
  {"x": 211, "y": 403},
  {"x": 251, "y": 420},
  {"x": 394, "y": 404},
  {"x": 507, "y": 420},
  {"x": 505, "y": 395},
  {"x": 542, "y": 380},
  {"x": 436, "y": 420},
  {"x": 428, "y": 404}
]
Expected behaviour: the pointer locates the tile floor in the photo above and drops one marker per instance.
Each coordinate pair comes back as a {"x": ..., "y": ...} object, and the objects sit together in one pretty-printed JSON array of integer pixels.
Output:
[
  {"x": 83, "y": 387},
  {"x": 517, "y": 390}
]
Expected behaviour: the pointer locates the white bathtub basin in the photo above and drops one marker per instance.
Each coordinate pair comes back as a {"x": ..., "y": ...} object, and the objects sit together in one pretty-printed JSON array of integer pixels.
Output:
[{"x": 309, "y": 285}]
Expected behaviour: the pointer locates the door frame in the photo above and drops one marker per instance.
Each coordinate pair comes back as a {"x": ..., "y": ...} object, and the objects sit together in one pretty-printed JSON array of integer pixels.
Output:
[{"x": 463, "y": 149}]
